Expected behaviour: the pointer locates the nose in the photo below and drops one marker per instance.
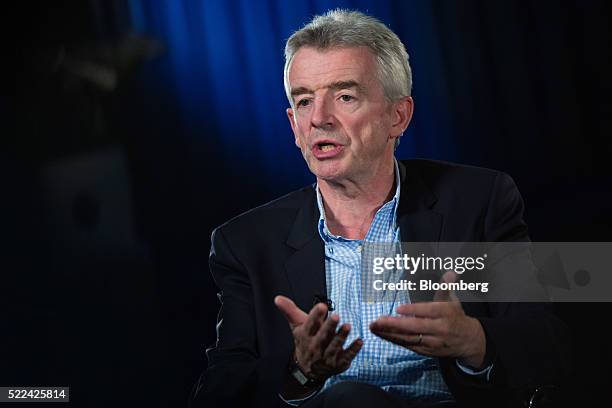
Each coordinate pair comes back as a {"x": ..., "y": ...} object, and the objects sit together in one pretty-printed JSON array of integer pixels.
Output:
[{"x": 322, "y": 114}]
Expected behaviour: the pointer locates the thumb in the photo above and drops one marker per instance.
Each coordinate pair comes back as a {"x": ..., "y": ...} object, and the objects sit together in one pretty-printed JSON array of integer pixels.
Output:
[
  {"x": 446, "y": 295},
  {"x": 294, "y": 315}
]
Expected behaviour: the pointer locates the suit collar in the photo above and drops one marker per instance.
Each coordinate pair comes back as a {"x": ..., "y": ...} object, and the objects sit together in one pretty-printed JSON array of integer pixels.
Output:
[
  {"x": 304, "y": 227},
  {"x": 417, "y": 219},
  {"x": 305, "y": 268},
  {"x": 416, "y": 200},
  {"x": 415, "y": 191}
]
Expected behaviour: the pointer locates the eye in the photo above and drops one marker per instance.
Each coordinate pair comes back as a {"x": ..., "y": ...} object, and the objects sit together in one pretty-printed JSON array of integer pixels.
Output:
[
  {"x": 303, "y": 103},
  {"x": 347, "y": 98}
]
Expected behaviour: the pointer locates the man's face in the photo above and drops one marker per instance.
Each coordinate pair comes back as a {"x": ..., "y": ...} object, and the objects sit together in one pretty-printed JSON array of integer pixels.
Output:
[{"x": 342, "y": 122}]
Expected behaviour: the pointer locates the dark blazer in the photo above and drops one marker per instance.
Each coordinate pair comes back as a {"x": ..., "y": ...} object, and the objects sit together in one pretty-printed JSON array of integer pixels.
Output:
[{"x": 275, "y": 249}]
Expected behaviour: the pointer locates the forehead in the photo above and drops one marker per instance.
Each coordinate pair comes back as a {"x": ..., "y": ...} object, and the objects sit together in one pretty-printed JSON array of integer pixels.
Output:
[{"x": 313, "y": 68}]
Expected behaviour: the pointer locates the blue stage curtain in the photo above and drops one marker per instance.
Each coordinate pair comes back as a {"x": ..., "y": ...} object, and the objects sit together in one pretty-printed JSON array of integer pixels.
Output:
[{"x": 224, "y": 65}]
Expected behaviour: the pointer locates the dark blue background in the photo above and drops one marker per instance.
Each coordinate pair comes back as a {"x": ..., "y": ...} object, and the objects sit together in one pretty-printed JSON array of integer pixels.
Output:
[{"x": 121, "y": 306}]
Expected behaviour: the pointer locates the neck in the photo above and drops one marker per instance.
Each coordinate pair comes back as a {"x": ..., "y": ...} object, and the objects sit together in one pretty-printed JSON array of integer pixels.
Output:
[{"x": 350, "y": 205}]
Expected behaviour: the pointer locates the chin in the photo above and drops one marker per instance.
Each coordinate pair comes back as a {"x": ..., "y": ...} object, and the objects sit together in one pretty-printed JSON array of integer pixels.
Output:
[{"x": 328, "y": 171}]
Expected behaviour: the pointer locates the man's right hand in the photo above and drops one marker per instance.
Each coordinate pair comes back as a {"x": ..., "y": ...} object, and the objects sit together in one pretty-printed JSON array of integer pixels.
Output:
[{"x": 319, "y": 348}]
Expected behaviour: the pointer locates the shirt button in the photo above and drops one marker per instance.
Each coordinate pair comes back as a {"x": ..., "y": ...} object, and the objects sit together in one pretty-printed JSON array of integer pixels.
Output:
[{"x": 358, "y": 248}]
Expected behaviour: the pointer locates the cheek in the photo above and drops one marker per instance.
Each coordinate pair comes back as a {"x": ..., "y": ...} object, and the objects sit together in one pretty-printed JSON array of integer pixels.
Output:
[
  {"x": 301, "y": 140},
  {"x": 302, "y": 119},
  {"x": 364, "y": 133},
  {"x": 370, "y": 138},
  {"x": 302, "y": 129},
  {"x": 368, "y": 125}
]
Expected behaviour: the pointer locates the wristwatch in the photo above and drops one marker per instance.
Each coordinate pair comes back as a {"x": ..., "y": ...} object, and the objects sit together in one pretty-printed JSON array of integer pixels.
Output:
[{"x": 301, "y": 377}]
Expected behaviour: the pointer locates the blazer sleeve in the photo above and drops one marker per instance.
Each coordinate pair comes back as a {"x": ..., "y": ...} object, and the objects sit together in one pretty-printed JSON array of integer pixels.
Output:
[
  {"x": 528, "y": 344},
  {"x": 236, "y": 375}
]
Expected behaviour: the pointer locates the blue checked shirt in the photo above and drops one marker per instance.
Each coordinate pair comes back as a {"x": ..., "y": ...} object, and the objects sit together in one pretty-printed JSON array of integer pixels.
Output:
[{"x": 394, "y": 368}]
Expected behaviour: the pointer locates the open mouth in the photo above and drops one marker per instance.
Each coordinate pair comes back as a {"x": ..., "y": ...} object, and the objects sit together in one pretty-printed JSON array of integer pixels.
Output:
[{"x": 326, "y": 147}]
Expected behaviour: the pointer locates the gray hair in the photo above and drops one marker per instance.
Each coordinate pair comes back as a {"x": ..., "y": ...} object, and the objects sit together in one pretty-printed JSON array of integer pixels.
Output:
[{"x": 343, "y": 28}]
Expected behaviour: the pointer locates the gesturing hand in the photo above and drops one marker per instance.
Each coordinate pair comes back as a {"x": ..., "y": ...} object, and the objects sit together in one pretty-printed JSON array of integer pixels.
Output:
[
  {"x": 439, "y": 328},
  {"x": 318, "y": 346}
]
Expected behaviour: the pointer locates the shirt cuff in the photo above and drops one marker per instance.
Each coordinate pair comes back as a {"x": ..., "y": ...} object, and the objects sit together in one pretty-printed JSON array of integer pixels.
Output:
[{"x": 485, "y": 372}]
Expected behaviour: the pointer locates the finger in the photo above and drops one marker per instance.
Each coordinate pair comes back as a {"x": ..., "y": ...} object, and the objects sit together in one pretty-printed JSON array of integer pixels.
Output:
[
  {"x": 431, "y": 310},
  {"x": 337, "y": 342},
  {"x": 405, "y": 325},
  {"x": 327, "y": 332},
  {"x": 335, "y": 346},
  {"x": 406, "y": 340},
  {"x": 294, "y": 315},
  {"x": 446, "y": 295},
  {"x": 427, "y": 345},
  {"x": 315, "y": 318},
  {"x": 412, "y": 342},
  {"x": 348, "y": 355}
]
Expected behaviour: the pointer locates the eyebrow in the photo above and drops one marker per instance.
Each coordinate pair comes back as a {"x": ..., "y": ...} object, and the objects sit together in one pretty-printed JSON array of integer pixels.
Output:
[{"x": 333, "y": 86}]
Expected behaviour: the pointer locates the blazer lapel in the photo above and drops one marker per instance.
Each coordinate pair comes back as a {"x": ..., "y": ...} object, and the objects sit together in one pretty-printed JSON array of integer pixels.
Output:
[
  {"x": 306, "y": 266},
  {"x": 417, "y": 220}
]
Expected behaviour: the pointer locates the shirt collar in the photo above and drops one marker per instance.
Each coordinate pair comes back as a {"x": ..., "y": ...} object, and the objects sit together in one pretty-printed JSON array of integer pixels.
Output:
[{"x": 322, "y": 224}]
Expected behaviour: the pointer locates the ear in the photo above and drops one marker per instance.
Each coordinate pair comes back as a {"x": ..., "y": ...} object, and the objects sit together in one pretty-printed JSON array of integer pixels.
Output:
[
  {"x": 402, "y": 115},
  {"x": 291, "y": 117}
]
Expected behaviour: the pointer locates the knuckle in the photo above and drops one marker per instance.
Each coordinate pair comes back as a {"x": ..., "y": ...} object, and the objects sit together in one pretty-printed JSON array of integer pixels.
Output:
[{"x": 299, "y": 332}]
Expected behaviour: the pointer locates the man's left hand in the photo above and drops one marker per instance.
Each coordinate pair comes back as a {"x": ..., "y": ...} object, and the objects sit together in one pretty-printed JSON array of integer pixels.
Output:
[{"x": 438, "y": 329}]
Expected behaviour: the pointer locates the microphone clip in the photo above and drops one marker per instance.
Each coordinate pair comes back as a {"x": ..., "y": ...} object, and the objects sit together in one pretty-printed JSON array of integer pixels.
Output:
[{"x": 323, "y": 299}]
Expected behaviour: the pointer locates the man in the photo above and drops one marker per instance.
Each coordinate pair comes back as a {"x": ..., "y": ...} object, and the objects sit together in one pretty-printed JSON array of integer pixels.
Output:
[{"x": 348, "y": 82}]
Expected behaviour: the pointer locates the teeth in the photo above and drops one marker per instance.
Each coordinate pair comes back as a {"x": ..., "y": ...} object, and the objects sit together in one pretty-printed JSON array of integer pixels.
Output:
[{"x": 327, "y": 147}]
